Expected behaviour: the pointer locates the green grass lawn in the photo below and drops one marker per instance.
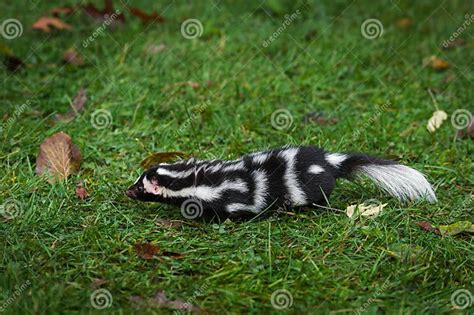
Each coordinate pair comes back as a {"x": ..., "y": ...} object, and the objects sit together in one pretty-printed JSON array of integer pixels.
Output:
[{"x": 318, "y": 62}]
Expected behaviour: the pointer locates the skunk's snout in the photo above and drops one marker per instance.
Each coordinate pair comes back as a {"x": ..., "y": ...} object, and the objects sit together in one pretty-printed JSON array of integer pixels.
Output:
[{"x": 132, "y": 192}]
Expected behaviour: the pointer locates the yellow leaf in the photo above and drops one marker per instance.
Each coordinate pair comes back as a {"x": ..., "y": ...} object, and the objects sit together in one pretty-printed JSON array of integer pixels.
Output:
[
  {"x": 364, "y": 210},
  {"x": 436, "y": 120}
]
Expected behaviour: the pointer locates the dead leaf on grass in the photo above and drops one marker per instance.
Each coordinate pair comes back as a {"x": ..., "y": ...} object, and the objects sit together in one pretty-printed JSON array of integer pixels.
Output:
[
  {"x": 72, "y": 57},
  {"x": 404, "y": 23},
  {"x": 319, "y": 119},
  {"x": 77, "y": 106},
  {"x": 436, "y": 63},
  {"x": 46, "y": 23},
  {"x": 97, "y": 282},
  {"x": 108, "y": 14},
  {"x": 160, "y": 300},
  {"x": 363, "y": 210},
  {"x": 427, "y": 226},
  {"x": 436, "y": 120},
  {"x": 58, "y": 157},
  {"x": 81, "y": 191},
  {"x": 467, "y": 132},
  {"x": 154, "y": 49},
  {"x": 145, "y": 17},
  {"x": 458, "y": 42},
  {"x": 146, "y": 250},
  {"x": 168, "y": 223},
  {"x": 456, "y": 228}
]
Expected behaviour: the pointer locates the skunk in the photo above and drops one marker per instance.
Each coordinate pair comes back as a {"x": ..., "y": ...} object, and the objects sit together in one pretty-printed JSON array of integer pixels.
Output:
[{"x": 270, "y": 180}]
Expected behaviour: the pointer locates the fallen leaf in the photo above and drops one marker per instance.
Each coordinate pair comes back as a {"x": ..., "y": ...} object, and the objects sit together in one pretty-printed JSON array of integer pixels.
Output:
[
  {"x": 146, "y": 250},
  {"x": 108, "y": 14},
  {"x": 407, "y": 253},
  {"x": 160, "y": 157},
  {"x": 61, "y": 10},
  {"x": 370, "y": 210},
  {"x": 458, "y": 42},
  {"x": 155, "y": 49},
  {"x": 77, "y": 106},
  {"x": 45, "y": 23},
  {"x": 97, "y": 282},
  {"x": 436, "y": 63},
  {"x": 81, "y": 191},
  {"x": 319, "y": 119},
  {"x": 146, "y": 18},
  {"x": 404, "y": 23},
  {"x": 456, "y": 228},
  {"x": 468, "y": 132},
  {"x": 58, "y": 157},
  {"x": 436, "y": 120},
  {"x": 427, "y": 226},
  {"x": 72, "y": 57},
  {"x": 160, "y": 299},
  {"x": 168, "y": 223}
]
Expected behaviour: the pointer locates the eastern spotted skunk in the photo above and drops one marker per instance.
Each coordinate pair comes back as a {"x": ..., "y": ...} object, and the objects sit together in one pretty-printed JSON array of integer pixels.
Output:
[{"x": 269, "y": 180}]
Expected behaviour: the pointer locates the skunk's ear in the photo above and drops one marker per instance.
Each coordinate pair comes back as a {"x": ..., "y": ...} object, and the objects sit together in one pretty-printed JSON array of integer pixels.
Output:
[{"x": 151, "y": 185}]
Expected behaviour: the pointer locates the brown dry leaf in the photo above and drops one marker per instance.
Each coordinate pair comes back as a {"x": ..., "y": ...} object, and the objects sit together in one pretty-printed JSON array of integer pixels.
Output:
[
  {"x": 404, "y": 23},
  {"x": 319, "y": 119},
  {"x": 168, "y": 223},
  {"x": 58, "y": 157},
  {"x": 458, "y": 42},
  {"x": 161, "y": 157},
  {"x": 97, "y": 282},
  {"x": 468, "y": 132},
  {"x": 81, "y": 191},
  {"x": 436, "y": 63},
  {"x": 45, "y": 23},
  {"x": 77, "y": 106},
  {"x": 72, "y": 57},
  {"x": 107, "y": 14},
  {"x": 146, "y": 18},
  {"x": 146, "y": 250},
  {"x": 427, "y": 226},
  {"x": 161, "y": 300},
  {"x": 61, "y": 10}
]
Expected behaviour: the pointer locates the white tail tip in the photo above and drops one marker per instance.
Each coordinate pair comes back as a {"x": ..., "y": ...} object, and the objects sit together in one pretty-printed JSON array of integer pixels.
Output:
[{"x": 400, "y": 181}]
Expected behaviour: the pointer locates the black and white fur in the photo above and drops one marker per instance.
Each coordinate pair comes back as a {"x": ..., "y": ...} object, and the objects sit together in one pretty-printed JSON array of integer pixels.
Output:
[{"x": 268, "y": 180}]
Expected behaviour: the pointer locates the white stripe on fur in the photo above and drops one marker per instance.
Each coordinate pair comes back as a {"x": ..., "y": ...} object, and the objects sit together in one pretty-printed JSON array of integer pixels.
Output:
[
  {"x": 174, "y": 174},
  {"x": 260, "y": 193},
  {"x": 316, "y": 169},
  {"x": 335, "y": 159},
  {"x": 297, "y": 195},
  {"x": 400, "y": 181}
]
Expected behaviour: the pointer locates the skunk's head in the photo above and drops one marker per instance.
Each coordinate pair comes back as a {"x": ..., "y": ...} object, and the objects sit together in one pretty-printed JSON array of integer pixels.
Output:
[
  {"x": 162, "y": 182},
  {"x": 146, "y": 187}
]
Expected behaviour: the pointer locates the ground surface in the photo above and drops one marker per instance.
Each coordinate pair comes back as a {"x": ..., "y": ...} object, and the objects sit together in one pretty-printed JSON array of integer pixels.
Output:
[{"x": 56, "y": 246}]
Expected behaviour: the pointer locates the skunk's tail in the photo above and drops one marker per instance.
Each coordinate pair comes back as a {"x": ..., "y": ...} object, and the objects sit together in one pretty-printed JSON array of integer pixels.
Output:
[{"x": 400, "y": 181}]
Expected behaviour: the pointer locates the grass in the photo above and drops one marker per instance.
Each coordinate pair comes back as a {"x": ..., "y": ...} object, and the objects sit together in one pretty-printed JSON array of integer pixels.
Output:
[{"x": 54, "y": 248}]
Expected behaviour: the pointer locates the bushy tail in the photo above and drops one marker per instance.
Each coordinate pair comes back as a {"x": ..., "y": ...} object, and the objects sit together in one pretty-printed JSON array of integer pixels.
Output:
[{"x": 400, "y": 181}]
